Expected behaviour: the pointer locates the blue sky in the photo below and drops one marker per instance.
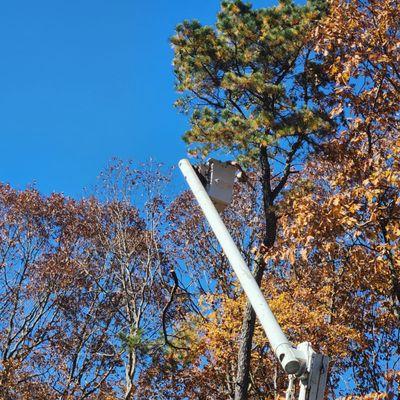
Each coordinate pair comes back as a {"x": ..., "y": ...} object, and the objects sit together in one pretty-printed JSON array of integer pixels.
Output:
[{"x": 83, "y": 81}]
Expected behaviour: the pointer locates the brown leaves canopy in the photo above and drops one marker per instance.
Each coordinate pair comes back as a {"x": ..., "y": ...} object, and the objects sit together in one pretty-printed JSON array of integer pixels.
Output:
[
  {"x": 41, "y": 283},
  {"x": 83, "y": 286},
  {"x": 92, "y": 290}
]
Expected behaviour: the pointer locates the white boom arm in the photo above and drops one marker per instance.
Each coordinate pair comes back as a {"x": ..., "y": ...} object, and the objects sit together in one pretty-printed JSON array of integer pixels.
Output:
[{"x": 294, "y": 361}]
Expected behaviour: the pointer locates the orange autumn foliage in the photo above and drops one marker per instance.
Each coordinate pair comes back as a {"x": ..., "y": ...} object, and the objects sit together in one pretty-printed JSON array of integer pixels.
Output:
[{"x": 333, "y": 275}]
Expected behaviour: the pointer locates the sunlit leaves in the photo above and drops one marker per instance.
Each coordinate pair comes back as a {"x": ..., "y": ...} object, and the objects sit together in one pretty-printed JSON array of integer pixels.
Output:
[{"x": 254, "y": 72}]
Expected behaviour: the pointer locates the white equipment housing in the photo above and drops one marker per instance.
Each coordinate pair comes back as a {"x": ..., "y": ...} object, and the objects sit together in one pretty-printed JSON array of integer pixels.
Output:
[
  {"x": 301, "y": 362},
  {"x": 313, "y": 383},
  {"x": 220, "y": 177}
]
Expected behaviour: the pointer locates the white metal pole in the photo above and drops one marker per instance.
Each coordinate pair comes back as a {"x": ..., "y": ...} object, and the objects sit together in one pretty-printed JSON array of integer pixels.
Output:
[{"x": 284, "y": 350}]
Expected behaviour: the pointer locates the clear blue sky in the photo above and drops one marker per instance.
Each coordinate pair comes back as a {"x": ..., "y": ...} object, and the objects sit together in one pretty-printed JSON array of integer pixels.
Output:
[{"x": 83, "y": 81}]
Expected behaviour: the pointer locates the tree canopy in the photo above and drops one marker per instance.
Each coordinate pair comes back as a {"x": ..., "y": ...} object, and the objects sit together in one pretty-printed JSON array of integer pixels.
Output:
[{"x": 125, "y": 294}]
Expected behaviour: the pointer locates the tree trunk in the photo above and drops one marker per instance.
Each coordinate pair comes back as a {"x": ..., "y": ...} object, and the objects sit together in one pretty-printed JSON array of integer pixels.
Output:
[
  {"x": 249, "y": 316},
  {"x": 246, "y": 340},
  {"x": 130, "y": 369}
]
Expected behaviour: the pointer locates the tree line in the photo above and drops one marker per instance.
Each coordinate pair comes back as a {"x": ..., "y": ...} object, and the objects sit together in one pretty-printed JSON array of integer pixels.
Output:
[{"x": 125, "y": 294}]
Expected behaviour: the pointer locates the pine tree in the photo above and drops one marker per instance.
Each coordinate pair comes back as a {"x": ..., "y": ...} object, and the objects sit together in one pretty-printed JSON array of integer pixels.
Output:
[{"x": 254, "y": 89}]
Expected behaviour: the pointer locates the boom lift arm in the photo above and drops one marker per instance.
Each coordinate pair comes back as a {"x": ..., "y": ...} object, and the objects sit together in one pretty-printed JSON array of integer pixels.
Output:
[{"x": 299, "y": 362}]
